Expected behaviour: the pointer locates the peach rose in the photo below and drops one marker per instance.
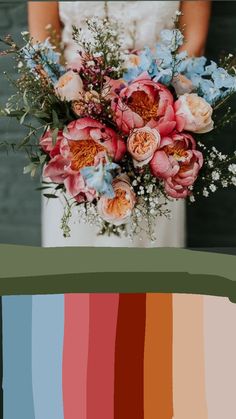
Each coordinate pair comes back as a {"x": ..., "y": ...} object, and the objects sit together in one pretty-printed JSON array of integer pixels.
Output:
[
  {"x": 69, "y": 86},
  {"x": 193, "y": 114},
  {"x": 118, "y": 210},
  {"x": 182, "y": 85},
  {"x": 142, "y": 144}
]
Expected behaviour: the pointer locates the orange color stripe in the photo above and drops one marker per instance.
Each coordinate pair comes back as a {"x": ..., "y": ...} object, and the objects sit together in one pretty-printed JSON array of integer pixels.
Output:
[{"x": 158, "y": 398}]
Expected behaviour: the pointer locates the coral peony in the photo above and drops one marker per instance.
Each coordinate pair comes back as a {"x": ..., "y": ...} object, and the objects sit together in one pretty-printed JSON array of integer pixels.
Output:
[
  {"x": 143, "y": 102},
  {"x": 177, "y": 162}
]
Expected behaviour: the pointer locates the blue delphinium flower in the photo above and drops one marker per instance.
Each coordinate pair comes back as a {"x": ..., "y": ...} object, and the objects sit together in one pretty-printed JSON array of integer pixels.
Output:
[
  {"x": 195, "y": 65},
  {"x": 208, "y": 90},
  {"x": 131, "y": 74},
  {"x": 163, "y": 56},
  {"x": 172, "y": 39},
  {"x": 222, "y": 79},
  {"x": 43, "y": 54},
  {"x": 100, "y": 178},
  {"x": 146, "y": 59},
  {"x": 164, "y": 76},
  {"x": 147, "y": 64},
  {"x": 209, "y": 69}
]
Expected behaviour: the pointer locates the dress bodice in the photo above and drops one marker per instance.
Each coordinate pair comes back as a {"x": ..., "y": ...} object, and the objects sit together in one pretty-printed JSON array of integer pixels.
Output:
[{"x": 142, "y": 21}]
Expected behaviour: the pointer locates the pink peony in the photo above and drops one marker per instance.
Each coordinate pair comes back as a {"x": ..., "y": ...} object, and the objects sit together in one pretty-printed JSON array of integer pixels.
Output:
[
  {"x": 193, "y": 114},
  {"x": 177, "y": 162},
  {"x": 90, "y": 129},
  {"x": 84, "y": 143},
  {"x": 46, "y": 143},
  {"x": 118, "y": 210},
  {"x": 143, "y": 102}
]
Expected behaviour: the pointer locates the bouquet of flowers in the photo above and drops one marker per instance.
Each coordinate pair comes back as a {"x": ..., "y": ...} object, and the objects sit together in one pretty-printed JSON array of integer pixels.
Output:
[{"x": 118, "y": 134}]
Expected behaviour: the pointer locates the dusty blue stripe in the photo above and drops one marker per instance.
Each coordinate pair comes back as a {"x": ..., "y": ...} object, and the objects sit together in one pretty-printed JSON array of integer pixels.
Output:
[
  {"x": 17, "y": 368},
  {"x": 47, "y": 348}
]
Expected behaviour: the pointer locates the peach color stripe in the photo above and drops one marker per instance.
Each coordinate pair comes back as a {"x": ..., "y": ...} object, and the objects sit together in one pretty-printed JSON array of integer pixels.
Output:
[
  {"x": 188, "y": 350},
  {"x": 220, "y": 350},
  {"x": 158, "y": 357},
  {"x": 101, "y": 358},
  {"x": 75, "y": 355}
]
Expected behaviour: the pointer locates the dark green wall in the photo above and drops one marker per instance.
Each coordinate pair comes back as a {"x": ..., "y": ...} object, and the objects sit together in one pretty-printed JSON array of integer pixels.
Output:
[
  {"x": 211, "y": 222},
  {"x": 19, "y": 202}
]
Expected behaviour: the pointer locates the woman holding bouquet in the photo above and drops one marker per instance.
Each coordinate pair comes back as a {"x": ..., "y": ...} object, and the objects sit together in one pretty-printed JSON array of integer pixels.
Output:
[{"x": 172, "y": 320}]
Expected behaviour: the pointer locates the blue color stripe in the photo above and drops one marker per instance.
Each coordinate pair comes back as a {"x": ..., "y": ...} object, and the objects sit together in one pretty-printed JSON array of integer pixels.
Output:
[
  {"x": 17, "y": 367},
  {"x": 47, "y": 349}
]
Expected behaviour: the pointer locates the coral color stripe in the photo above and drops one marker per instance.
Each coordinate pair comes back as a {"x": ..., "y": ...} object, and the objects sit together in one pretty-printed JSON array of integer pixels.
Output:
[
  {"x": 158, "y": 357},
  {"x": 101, "y": 359},
  {"x": 129, "y": 358},
  {"x": 75, "y": 355},
  {"x": 189, "y": 362}
]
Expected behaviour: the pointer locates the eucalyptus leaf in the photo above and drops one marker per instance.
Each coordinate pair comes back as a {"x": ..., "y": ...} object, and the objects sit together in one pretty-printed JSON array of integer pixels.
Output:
[
  {"x": 54, "y": 135},
  {"x": 48, "y": 195},
  {"x": 42, "y": 158},
  {"x": 42, "y": 188},
  {"x": 23, "y": 117},
  {"x": 55, "y": 119}
]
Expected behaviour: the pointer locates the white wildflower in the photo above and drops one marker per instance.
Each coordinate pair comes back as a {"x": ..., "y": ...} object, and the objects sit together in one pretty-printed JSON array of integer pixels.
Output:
[
  {"x": 205, "y": 192},
  {"x": 224, "y": 183},
  {"x": 222, "y": 157},
  {"x": 212, "y": 187},
  {"x": 233, "y": 180},
  {"x": 192, "y": 198},
  {"x": 232, "y": 168},
  {"x": 215, "y": 175},
  {"x": 210, "y": 163}
]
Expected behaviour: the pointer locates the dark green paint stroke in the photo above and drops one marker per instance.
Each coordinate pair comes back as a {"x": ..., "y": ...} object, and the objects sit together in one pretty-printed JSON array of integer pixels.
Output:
[
  {"x": 128, "y": 282},
  {"x": 32, "y": 270}
]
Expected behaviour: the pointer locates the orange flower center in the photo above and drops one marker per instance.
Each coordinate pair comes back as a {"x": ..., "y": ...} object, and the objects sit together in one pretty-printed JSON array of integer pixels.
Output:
[
  {"x": 84, "y": 153},
  {"x": 119, "y": 205},
  {"x": 176, "y": 151},
  {"x": 144, "y": 105}
]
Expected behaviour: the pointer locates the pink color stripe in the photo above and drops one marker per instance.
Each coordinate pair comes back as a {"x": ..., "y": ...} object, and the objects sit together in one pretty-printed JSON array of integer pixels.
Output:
[
  {"x": 75, "y": 355},
  {"x": 101, "y": 360}
]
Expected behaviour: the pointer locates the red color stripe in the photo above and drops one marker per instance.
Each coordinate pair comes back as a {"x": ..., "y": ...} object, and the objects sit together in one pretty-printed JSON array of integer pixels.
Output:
[
  {"x": 75, "y": 355},
  {"x": 100, "y": 386},
  {"x": 129, "y": 359}
]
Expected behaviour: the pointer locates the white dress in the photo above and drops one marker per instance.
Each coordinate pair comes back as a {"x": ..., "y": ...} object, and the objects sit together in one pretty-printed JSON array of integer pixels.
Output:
[{"x": 142, "y": 21}]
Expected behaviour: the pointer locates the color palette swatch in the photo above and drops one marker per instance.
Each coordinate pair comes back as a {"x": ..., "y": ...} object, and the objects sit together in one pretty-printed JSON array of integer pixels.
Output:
[{"x": 108, "y": 356}]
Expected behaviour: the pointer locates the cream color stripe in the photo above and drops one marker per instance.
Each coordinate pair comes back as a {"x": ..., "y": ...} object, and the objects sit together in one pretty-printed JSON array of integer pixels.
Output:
[
  {"x": 220, "y": 353},
  {"x": 188, "y": 358}
]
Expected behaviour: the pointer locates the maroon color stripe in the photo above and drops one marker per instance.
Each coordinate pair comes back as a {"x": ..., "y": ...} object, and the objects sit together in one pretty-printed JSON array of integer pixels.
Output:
[{"x": 129, "y": 357}]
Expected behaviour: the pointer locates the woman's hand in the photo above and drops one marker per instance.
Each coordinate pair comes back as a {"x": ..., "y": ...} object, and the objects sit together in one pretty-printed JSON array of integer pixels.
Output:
[
  {"x": 41, "y": 14},
  {"x": 195, "y": 23}
]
